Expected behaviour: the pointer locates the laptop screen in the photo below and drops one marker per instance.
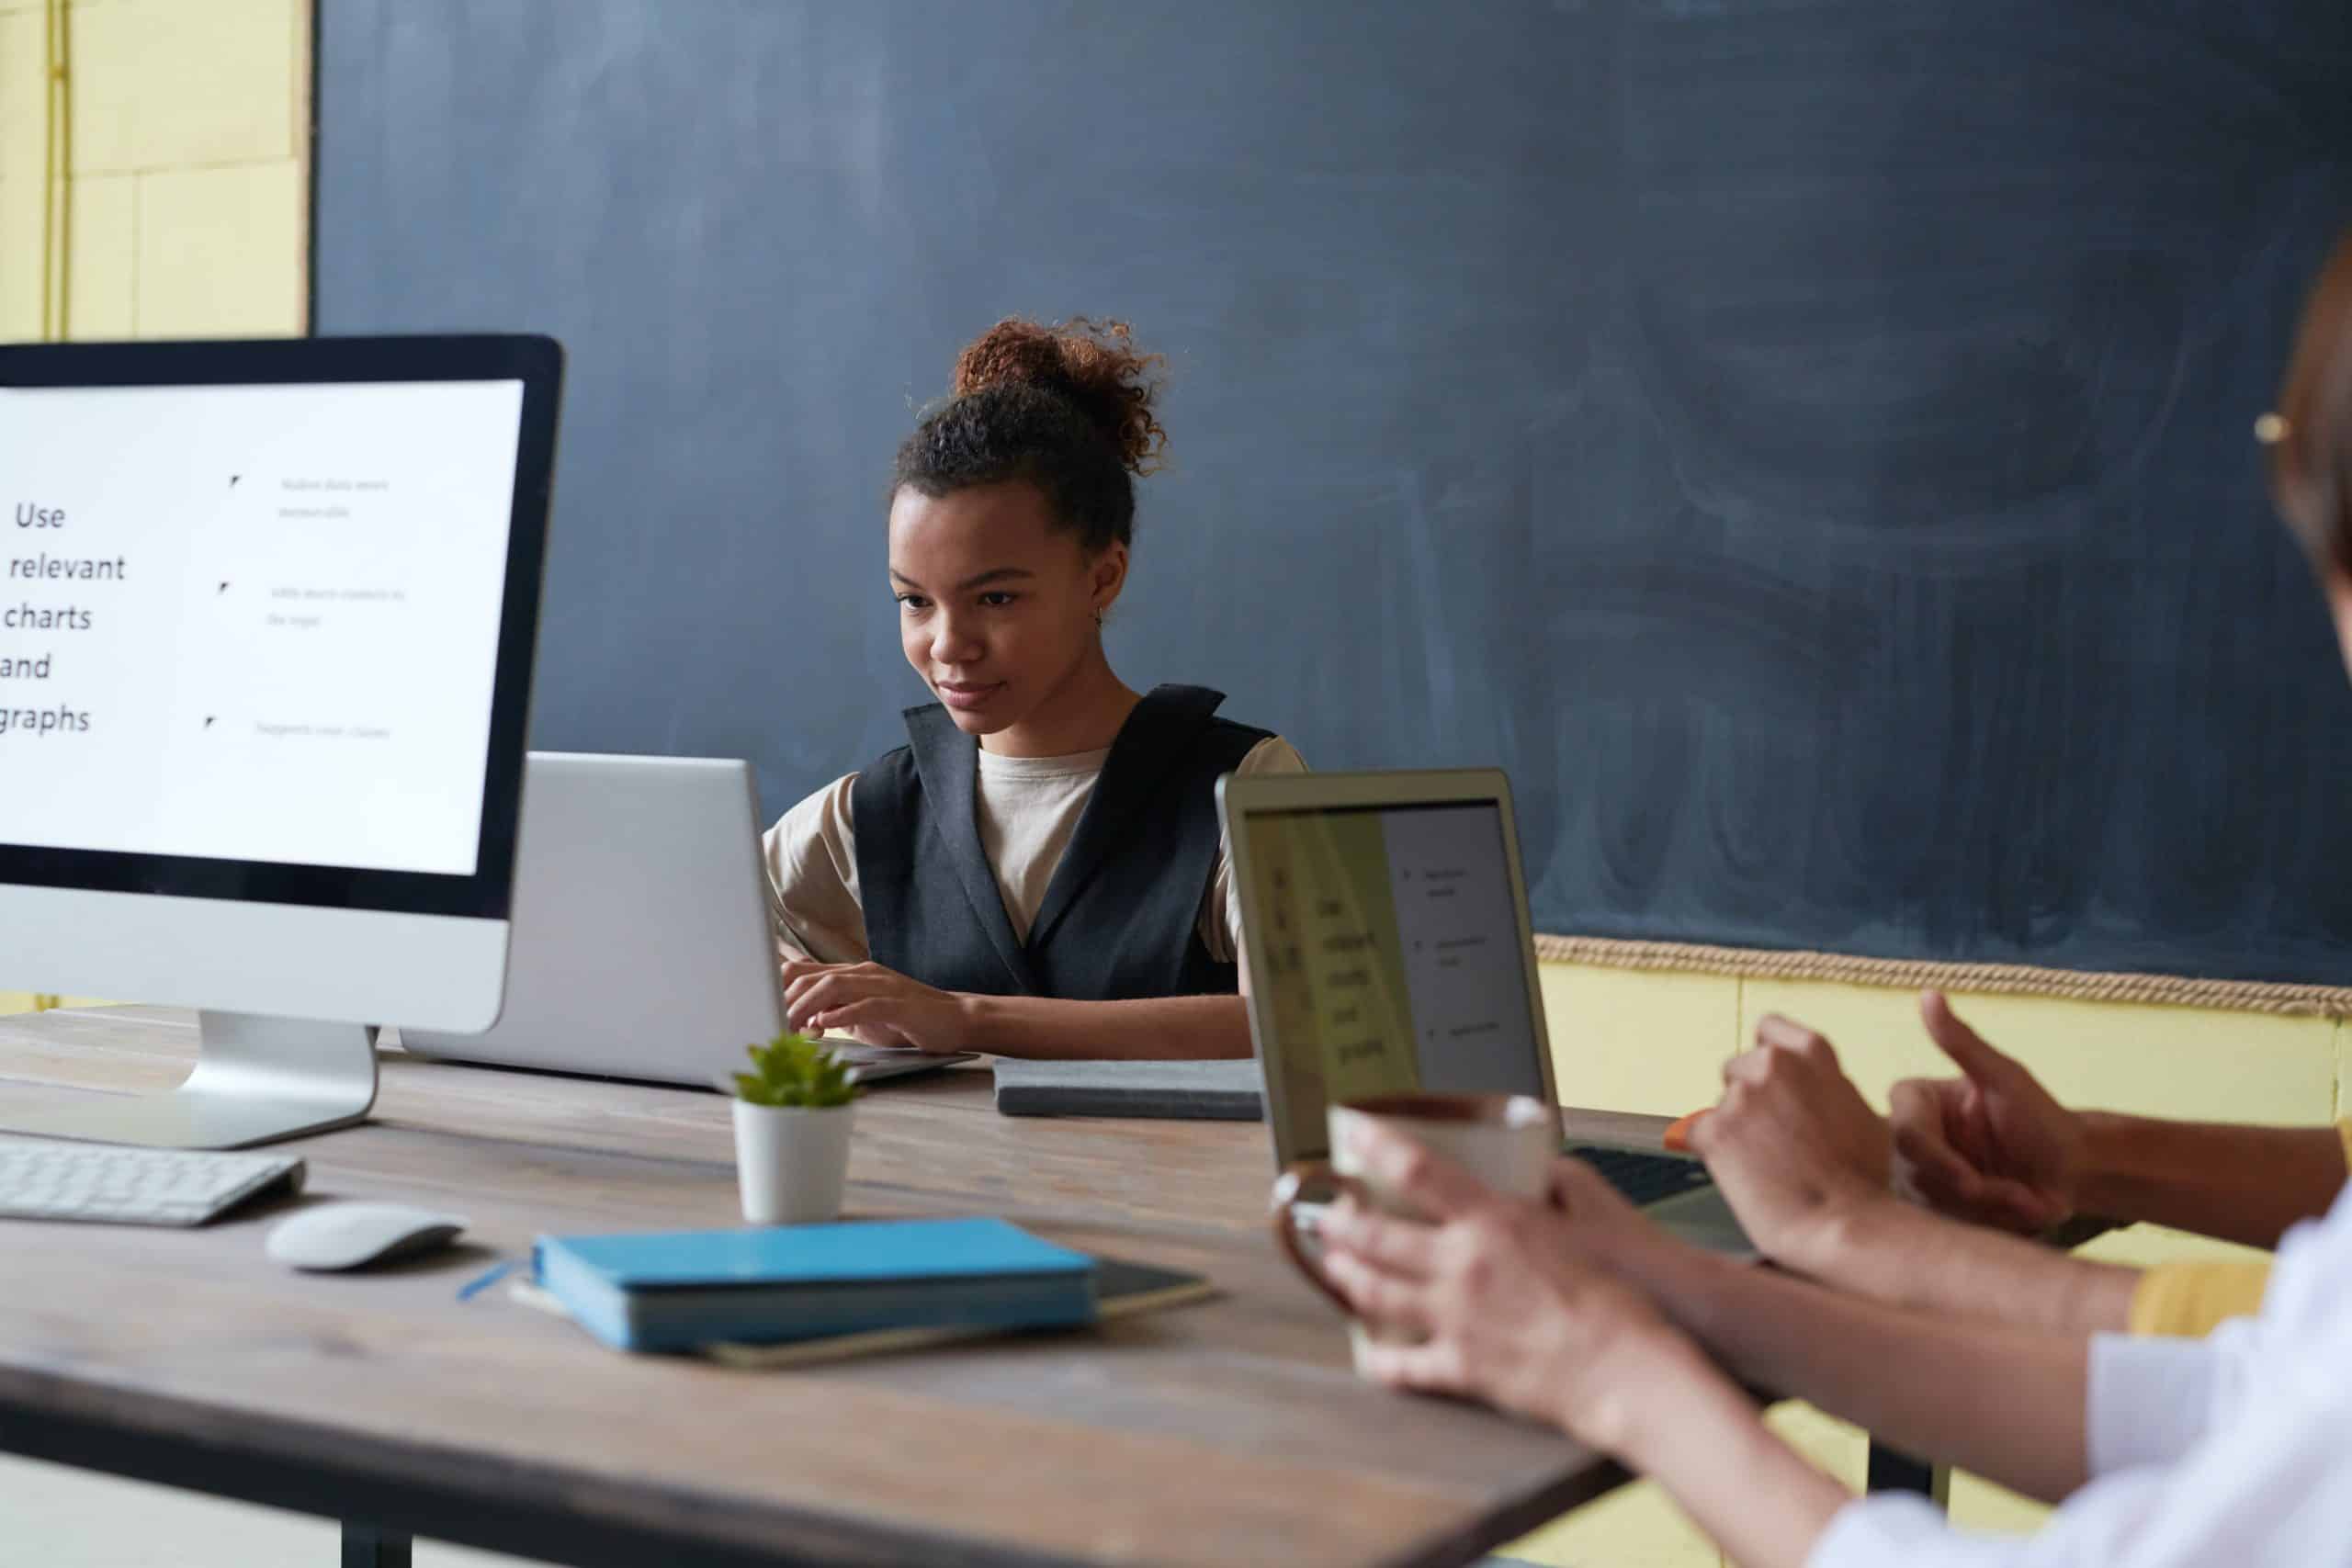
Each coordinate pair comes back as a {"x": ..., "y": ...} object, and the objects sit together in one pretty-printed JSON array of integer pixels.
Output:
[{"x": 1394, "y": 958}]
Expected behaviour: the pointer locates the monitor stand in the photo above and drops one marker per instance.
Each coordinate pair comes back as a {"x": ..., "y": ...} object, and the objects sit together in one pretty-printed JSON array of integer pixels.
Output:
[{"x": 257, "y": 1080}]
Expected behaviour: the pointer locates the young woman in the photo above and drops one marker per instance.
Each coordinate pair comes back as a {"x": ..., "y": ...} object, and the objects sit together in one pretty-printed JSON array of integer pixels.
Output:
[
  {"x": 2161, "y": 1453},
  {"x": 1039, "y": 871}
]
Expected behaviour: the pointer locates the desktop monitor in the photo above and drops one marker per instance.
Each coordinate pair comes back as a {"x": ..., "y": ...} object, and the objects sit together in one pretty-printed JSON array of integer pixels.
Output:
[{"x": 267, "y": 621}]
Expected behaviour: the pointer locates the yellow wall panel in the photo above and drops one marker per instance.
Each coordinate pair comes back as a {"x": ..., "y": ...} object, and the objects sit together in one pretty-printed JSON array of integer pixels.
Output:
[
  {"x": 112, "y": 58},
  {"x": 219, "y": 251},
  {"x": 1634, "y": 1527},
  {"x": 2183, "y": 1062},
  {"x": 24, "y": 109},
  {"x": 1834, "y": 1446},
  {"x": 1976, "y": 1503},
  {"x": 2144, "y": 1246},
  {"x": 1628, "y": 1041},
  {"x": 19, "y": 260},
  {"x": 103, "y": 303},
  {"x": 33, "y": 1001},
  {"x": 2342, "y": 1070},
  {"x": 164, "y": 84}
]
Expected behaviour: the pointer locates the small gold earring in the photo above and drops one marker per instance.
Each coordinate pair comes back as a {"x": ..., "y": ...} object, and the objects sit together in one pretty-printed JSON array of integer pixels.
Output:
[{"x": 2271, "y": 429}]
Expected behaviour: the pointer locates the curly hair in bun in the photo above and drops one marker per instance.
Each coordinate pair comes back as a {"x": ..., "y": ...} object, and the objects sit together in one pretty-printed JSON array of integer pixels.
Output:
[{"x": 1066, "y": 408}]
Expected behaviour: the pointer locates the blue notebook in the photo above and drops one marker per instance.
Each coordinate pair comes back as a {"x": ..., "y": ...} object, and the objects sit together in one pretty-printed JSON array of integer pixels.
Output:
[{"x": 678, "y": 1290}]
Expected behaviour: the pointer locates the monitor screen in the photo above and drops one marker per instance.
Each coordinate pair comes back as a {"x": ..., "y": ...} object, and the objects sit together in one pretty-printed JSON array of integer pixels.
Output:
[
  {"x": 254, "y": 623},
  {"x": 1394, "y": 958}
]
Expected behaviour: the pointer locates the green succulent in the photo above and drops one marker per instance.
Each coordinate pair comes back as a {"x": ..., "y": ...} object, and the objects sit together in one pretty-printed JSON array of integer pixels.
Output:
[{"x": 794, "y": 1070}]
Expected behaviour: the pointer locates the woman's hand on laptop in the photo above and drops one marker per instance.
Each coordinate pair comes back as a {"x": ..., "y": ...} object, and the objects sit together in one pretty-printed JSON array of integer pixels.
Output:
[
  {"x": 1507, "y": 1301},
  {"x": 876, "y": 1005},
  {"x": 1797, "y": 1151}
]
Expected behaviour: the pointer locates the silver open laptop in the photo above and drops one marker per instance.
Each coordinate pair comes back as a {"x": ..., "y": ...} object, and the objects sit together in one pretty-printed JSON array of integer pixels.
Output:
[
  {"x": 1385, "y": 921},
  {"x": 641, "y": 944}
]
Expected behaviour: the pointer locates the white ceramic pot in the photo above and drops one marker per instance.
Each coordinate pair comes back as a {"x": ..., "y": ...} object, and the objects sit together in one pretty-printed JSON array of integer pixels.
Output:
[{"x": 790, "y": 1163}]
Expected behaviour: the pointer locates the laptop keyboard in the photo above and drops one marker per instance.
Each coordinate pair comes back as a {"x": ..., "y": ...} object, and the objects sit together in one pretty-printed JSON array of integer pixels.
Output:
[{"x": 1642, "y": 1178}]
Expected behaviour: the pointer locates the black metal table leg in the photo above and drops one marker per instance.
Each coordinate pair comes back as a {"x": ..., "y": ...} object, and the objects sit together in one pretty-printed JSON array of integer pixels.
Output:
[
  {"x": 366, "y": 1547},
  {"x": 1890, "y": 1469}
]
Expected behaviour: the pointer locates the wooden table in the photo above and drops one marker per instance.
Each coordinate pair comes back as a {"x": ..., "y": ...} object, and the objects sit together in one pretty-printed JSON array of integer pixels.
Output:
[{"x": 1228, "y": 1433}]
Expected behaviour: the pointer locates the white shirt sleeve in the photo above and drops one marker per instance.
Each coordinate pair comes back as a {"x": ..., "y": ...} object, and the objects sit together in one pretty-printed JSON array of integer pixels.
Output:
[
  {"x": 811, "y": 860},
  {"x": 2234, "y": 1450},
  {"x": 2271, "y": 1490},
  {"x": 1221, "y": 910},
  {"x": 2151, "y": 1399}
]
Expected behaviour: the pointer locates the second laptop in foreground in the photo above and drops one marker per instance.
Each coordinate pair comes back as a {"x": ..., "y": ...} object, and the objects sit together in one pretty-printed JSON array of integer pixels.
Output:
[{"x": 1390, "y": 951}]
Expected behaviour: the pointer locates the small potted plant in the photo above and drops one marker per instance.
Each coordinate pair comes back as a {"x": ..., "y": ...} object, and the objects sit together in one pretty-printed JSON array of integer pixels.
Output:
[{"x": 792, "y": 1121}]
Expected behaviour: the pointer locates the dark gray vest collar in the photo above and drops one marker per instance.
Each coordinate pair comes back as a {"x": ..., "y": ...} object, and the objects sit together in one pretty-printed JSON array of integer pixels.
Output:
[{"x": 1119, "y": 917}]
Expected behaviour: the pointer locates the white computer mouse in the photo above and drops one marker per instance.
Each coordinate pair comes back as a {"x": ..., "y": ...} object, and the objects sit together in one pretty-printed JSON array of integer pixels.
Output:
[{"x": 351, "y": 1236}]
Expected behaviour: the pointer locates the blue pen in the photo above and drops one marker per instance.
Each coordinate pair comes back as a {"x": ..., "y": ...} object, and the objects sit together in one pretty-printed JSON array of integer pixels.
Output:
[{"x": 484, "y": 1281}]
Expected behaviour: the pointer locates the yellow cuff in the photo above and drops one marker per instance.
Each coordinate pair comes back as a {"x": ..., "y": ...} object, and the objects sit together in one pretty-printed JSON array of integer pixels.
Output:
[
  {"x": 2343, "y": 1131},
  {"x": 2191, "y": 1300}
]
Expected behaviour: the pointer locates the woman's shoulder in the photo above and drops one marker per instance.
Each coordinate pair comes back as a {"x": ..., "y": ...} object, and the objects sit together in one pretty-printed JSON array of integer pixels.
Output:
[
  {"x": 1273, "y": 755},
  {"x": 822, "y": 816}
]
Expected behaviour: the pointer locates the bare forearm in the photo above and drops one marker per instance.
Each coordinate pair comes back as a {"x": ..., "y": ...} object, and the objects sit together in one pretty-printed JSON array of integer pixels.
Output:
[
  {"x": 1705, "y": 1442},
  {"x": 2005, "y": 1402},
  {"x": 1905, "y": 1256},
  {"x": 2240, "y": 1183},
  {"x": 1160, "y": 1028}
]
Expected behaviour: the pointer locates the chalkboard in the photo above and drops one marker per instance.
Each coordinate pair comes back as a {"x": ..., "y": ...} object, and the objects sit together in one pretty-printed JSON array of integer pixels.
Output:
[{"x": 1806, "y": 442}]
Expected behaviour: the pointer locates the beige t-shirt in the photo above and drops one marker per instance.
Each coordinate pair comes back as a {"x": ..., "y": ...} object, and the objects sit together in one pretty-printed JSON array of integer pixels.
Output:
[{"x": 1027, "y": 809}]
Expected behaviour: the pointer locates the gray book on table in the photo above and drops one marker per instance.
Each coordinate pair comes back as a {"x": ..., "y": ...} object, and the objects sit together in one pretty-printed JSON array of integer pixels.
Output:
[{"x": 1208, "y": 1091}]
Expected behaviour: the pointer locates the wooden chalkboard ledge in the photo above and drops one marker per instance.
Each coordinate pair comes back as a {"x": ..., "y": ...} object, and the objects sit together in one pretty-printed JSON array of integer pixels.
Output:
[{"x": 1905, "y": 974}]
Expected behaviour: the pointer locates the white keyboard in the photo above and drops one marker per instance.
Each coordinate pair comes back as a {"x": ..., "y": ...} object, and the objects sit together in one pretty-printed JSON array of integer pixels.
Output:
[{"x": 41, "y": 1178}]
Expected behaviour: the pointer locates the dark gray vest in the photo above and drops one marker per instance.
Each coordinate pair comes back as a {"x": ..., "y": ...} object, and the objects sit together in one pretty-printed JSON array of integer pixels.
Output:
[{"x": 1122, "y": 913}]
